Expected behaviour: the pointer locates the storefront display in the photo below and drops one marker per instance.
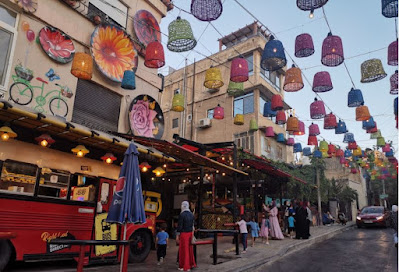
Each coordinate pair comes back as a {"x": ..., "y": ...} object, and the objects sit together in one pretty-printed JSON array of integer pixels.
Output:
[{"x": 18, "y": 177}]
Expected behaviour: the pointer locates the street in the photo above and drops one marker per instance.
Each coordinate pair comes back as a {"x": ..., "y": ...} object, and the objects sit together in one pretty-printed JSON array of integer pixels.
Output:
[{"x": 354, "y": 250}]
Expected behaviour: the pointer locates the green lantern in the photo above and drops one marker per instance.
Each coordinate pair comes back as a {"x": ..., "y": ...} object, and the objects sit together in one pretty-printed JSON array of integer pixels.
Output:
[
  {"x": 323, "y": 146},
  {"x": 178, "y": 103},
  {"x": 372, "y": 177},
  {"x": 380, "y": 141},
  {"x": 375, "y": 135},
  {"x": 235, "y": 89},
  {"x": 253, "y": 125},
  {"x": 181, "y": 36}
]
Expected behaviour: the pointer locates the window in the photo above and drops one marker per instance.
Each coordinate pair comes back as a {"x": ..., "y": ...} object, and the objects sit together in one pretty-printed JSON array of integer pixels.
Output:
[
  {"x": 245, "y": 141},
  {"x": 271, "y": 77},
  {"x": 18, "y": 178},
  {"x": 8, "y": 31},
  {"x": 175, "y": 123},
  {"x": 244, "y": 104},
  {"x": 114, "y": 9},
  {"x": 262, "y": 102},
  {"x": 96, "y": 107},
  {"x": 209, "y": 113},
  {"x": 250, "y": 60},
  {"x": 53, "y": 183},
  {"x": 83, "y": 188}
]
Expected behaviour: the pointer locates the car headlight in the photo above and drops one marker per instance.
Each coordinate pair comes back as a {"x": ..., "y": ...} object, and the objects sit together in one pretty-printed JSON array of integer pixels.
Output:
[
  {"x": 380, "y": 217},
  {"x": 358, "y": 218}
]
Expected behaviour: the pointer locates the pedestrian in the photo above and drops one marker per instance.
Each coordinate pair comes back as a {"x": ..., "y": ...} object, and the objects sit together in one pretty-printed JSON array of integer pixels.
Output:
[
  {"x": 185, "y": 232},
  {"x": 264, "y": 229},
  {"x": 287, "y": 207},
  {"x": 309, "y": 218},
  {"x": 301, "y": 221},
  {"x": 394, "y": 223},
  {"x": 275, "y": 230},
  {"x": 254, "y": 229},
  {"x": 161, "y": 242},
  {"x": 342, "y": 219},
  {"x": 244, "y": 232},
  {"x": 291, "y": 225}
]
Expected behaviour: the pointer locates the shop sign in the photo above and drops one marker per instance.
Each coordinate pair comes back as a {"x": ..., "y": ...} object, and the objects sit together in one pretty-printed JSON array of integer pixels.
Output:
[
  {"x": 104, "y": 231},
  {"x": 47, "y": 237},
  {"x": 85, "y": 168}
]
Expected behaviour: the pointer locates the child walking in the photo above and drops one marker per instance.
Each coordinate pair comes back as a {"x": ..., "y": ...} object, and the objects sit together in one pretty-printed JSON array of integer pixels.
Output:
[
  {"x": 264, "y": 229},
  {"x": 291, "y": 225},
  {"x": 161, "y": 244},
  {"x": 254, "y": 229},
  {"x": 244, "y": 232}
]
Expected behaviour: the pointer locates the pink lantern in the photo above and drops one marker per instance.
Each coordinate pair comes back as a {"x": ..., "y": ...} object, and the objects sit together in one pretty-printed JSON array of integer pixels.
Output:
[
  {"x": 330, "y": 121},
  {"x": 393, "y": 53},
  {"x": 301, "y": 129},
  {"x": 290, "y": 141},
  {"x": 239, "y": 70},
  {"x": 342, "y": 160},
  {"x": 386, "y": 148},
  {"x": 314, "y": 129},
  {"x": 322, "y": 82},
  {"x": 332, "y": 53},
  {"x": 218, "y": 112},
  {"x": 304, "y": 46},
  {"x": 317, "y": 110},
  {"x": 281, "y": 119},
  {"x": 269, "y": 132},
  {"x": 277, "y": 102},
  {"x": 394, "y": 83}
]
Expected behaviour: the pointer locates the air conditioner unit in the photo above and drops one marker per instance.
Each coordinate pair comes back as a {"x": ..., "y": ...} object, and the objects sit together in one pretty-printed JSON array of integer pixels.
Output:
[{"x": 205, "y": 123}]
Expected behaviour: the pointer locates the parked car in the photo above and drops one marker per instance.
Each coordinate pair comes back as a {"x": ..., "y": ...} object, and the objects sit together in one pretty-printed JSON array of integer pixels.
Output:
[{"x": 372, "y": 216}]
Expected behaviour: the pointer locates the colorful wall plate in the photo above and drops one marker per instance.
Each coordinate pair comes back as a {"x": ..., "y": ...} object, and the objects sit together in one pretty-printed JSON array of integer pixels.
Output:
[
  {"x": 113, "y": 51},
  {"x": 146, "y": 28},
  {"x": 146, "y": 117},
  {"x": 56, "y": 44}
]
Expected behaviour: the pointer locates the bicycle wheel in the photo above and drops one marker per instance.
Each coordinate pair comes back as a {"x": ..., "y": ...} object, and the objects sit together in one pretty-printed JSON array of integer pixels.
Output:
[
  {"x": 58, "y": 107},
  {"x": 21, "y": 93}
]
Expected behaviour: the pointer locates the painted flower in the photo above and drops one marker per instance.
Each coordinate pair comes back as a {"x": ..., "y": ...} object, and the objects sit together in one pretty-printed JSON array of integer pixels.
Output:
[
  {"x": 113, "y": 51},
  {"x": 142, "y": 119},
  {"x": 28, "y": 5},
  {"x": 56, "y": 44}
]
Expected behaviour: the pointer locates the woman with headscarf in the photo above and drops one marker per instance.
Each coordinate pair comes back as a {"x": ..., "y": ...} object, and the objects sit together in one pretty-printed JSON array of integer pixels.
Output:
[
  {"x": 184, "y": 237},
  {"x": 394, "y": 223},
  {"x": 301, "y": 221},
  {"x": 275, "y": 230}
]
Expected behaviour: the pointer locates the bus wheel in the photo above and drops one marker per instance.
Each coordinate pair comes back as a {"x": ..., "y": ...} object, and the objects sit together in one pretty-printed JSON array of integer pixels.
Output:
[
  {"x": 5, "y": 254},
  {"x": 140, "y": 246}
]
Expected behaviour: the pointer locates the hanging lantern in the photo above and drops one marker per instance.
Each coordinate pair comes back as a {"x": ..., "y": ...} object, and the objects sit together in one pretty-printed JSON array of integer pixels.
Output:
[
  {"x": 304, "y": 46},
  {"x": 277, "y": 102},
  {"x": 297, "y": 147},
  {"x": 239, "y": 70},
  {"x": 181, "y": 36},
  {"x": 269, "y": 132},
  {"x": 332, "y": 53},
  {"x": 353, "y": 170},
  {"x": 349, "y": 137},
  {"x": 144, "y": 167},
  {"x": 292, "y": 124},
  {"x": 235, "y": 89},
  {"x": 253, "y": 125},
  {"x": 352, "y": 145},
  {"x": 273, "y": 56},
  {"x": 239, "y": 119},
  {"x": 355, "y": 98},
  {"x": 218, "y": 112},
  {"x": 380, "y": 141},
  {"x": 159, "y": 171},
  {"x": 395, "y": 106},
  {"x": 80, "y": 151},
  {"x": 290, "y": 141},
  {"x": 108, "y": 158},
  {"x": 317, "y": 154},
  {"x": 82, "y": 66},
  {"x": 45, "y": 140},
  {"x": 367, "y": 124},
  {"x": 386, "y": 147},
  {"x": 393, "y": 53},
  {"x": 323, "y": 146},
  {"x": 314, "y": 129},
  {"x": 394, "y": 83},
  {"x": 281, "y": 118},
  {"x": 372, "y": 70},
  {"x": 342, "y": 160},
  {"x": 317, "y": 110},
  {"x": 129, "y": 80},
  {"x": 339, "y": 153},
  {"x": 154, "y": 55},
  {"x": 213, "y": 78},
  {"x": 331, "y": 149},
  {"x": 307, "y": 151},
  {"x": 389, "y": 153},
  {"x": 362, "y": 113},
  {"x": 330, "y": 121},
  {"x": 267, "y": 110},
  {"x": 301, "y": 130},
  {"x": 206, "y": 10},
  {"x": 280, "y": 138},
  {"x": 324, "y": 154},
  {"x": 178, "y": 102},
  {"x": 341, "y": 128},
  {"x": 322, "y": 82},
  {"x": 389, "y": 8},
  {"x": 312, "y": 140},
  {"x": 293, "y": 80},
  {"x": 347, "y": 153},
  {"x": 310, "y": 4},
  {"x": 357, "y": 152},
  {"x": 375, "y": 135},
  {"x": 6, "y": 133},
  {"x": 373, "y": 129}
]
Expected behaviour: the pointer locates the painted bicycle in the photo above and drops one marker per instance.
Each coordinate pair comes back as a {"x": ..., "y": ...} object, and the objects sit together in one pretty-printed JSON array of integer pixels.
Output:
[{"x": 21, "y": 92}]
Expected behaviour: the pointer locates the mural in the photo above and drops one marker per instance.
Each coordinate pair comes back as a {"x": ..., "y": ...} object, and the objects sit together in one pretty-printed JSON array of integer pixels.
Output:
[
  {"x": 146, "y": 29},
  {"x": 56, "y": 44},
  {"x": 27, "y": 5},
  {"x": 146, "y": 117},
  {"x": 113, "y": 51}
]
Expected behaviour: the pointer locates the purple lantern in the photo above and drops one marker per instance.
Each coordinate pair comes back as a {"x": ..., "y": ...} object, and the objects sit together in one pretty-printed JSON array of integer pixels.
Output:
[
  {"x": 269, "y": 132},
  {"x": 393, "y": 53},
  {"x": 206, "y": 10},
  {"x": 239, "y": 70},
  {"x": 332, "y": 53},
  {"x": 317, "y": 110},
  {"x": 314, "y": 129},
  {"x": 304, "y": 46},
  {"x": 386, "y": 148},
  {"x": 322, "y": 82},
  {"x": 394, "y": 83},
  {"x": 290, "y": 141}
]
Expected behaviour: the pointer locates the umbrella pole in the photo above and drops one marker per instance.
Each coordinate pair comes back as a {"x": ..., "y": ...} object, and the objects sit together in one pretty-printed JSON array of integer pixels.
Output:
[{"x": 123, "y": 267}]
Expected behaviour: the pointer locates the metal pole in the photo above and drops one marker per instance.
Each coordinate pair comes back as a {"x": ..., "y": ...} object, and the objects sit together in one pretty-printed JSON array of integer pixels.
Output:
[
  {"x": 183, "y": 114},
  {"x": 123, "y": 257},
  {"x": 199, "y": 219},
  {"x": 192, "y": 106},
  {"x": 383, "y": 192},
  {"x": 234, "y": 184},
  {"x": 318, "y": 192}
]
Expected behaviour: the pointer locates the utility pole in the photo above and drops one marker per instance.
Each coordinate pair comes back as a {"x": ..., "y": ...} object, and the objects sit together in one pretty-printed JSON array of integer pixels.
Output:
[
  {"x": 383, "y": 192},
  {"x": 318, "y": 191}
]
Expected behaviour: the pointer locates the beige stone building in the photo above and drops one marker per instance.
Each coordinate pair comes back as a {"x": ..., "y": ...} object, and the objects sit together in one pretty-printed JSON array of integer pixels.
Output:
[{"x": 196, "y": 122}]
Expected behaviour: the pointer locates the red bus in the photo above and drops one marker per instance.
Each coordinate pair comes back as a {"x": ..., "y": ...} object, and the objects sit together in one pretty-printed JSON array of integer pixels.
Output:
[{"x": 41, "y": 204}]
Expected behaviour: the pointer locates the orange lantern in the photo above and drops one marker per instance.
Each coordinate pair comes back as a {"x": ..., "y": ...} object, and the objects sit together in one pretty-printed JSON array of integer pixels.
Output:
[{"x": 82, "y": 66}]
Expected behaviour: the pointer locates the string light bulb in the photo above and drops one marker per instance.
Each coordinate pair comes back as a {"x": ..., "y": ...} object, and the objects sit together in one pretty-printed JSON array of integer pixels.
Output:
[{"x": 311, "y": 15}]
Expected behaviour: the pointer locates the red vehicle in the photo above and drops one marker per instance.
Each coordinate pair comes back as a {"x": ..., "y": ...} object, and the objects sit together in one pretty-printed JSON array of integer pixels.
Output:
[
  {"x": 39, "y": 204},
  {"x": 372, "y": 216}
]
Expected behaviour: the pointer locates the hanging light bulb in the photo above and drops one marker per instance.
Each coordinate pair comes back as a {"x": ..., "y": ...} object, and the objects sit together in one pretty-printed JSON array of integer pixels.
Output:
[
  {"x": 80, "y": 151},
  {"x": 144, "y": 166},
  {"x": 311, "y": 15},
  {"x": 108, "y": 158},
  {"x": 7, "y": 133},
  {"x": 158, "y": 171},
  {"x": 45, "y": 140}
]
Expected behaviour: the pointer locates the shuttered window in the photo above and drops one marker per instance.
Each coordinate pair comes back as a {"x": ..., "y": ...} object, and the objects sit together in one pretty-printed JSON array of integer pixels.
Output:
[{"x": 96, "y": 107}]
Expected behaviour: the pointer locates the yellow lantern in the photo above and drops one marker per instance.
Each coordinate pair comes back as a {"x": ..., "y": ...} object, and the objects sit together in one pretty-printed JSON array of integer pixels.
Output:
[
  {"x": 213, "y": 78},
  {"x": 80, "y": 151},
  {"x": 82, "y": 66},
  {"x": 357, "y": 152},
  {"x": 159, "y": 171},
  {"x": 178, "y": 103},
  {"x": 6, "y": 133},
  {"x": 239, "y": 119}
]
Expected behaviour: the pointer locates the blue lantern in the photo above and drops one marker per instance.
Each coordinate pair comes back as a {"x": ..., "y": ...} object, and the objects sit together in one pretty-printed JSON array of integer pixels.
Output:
[
  {"x": 307, "y": 151},
  {"x": 341, "y": 128},
  {"x": 280, "y": 138},
  {"x": 389, "y": 8},
  {"x": 355, "y": 98},
  {"x": 368, "y": 124},
  {"x": 317, "y": 154},
  {"x": 395, "y": 106},
  {"x": 349, "y": 137},
  {"x": 389, "y": 153},
  {"x": 347, "y": 153},
  {"x": 273, "y": 56},
  {"x": 267, "y": 110},
  {"x": 297, "y": 147},
  {"x": 129, "y": 80}
]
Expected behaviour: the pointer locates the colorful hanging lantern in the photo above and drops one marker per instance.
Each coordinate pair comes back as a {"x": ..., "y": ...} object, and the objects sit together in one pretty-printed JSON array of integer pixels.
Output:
[
  {"x": 372, "y": 70},
  {"x": 352, "y": 145},
  {"x": 269, "y": 132},
  {"x": 180, "y": 38},
  {"x": 277, "y": 102},
  {"x": 108, "y": 158},
  {"x": 306, "y": 151},
  {"x": 213, "y": 78},
  {"x": 45, "y": 140},
  {"x": 317, "y": 154},
  {"x": 341, "y": 128},
  {"x": 178, "y": 102},
  {"x": 347, "y": 153},
  {"x": 389, "y": 8},
  {"x": 367, "y": 124},
  {"x": 239, "y": 119},
  {"x": 362, "y": 113},
  {"x": 353, "y": 170},
  {"x": 380, "y": 141},
  {"x": 332, "y": 53},
  {"x": 322, "y": 82},
  {"x": 312, "y": 140},
  {"x": 330, "y": 121},
  {"x": 393, "y": 53},
  {"x": 293, "y": 80},
  {"x": 389, "y": 153},
  {"x": 323, "y": 146},
  {"x": 159, "y": 171},
  {"x": 301, "y": 130},
  {"x": 154, "y": 55},
  {"x": 331, "y": 149},
  {"x": 297, "y": 147},
  {"x": 129, "y": 80},
  {"x": 357, "y": 152},
  {"x": 339, "y": 153},
  {"x": 235, "y": 89},
  {"x": 304, "y": 45},
  {"x": 373, "y": 129},
  {"x": 342, "y": 160},
  {"x": 218, "y": 113},
  {"x": 324, "y": 154},
  {"x": 206, "y": 10},
  {"x": 290, "y": 141},
  {"x": 280, "y": 138},
  {"x": 317, "y": 110},
  {"x": 310, "y": 4},
  {"x": 239, "y": 70},
  {"x": 375, "y": 135},
  {"x": 394, "y": 83},
  {"x": 82, "y": 66},
  {"x": 395, "y": 106},
  {"x": 253, "y": 125},
  {"x": 80, "y": 151},
  {"x": 6, "y": 133},
  {"x": 281, "y": 118},
  {"x": 273, "y": 56},
  {"x": 267, "y": 110},
  {"x": 292, "y": 124},
  {"x": 355, "y": 98},
  {"x": 349, "y": 137},
  {"x": 144, "y": 167},
  {"x": 314, "y": 129},
  {"x": 386, "y": 147}
]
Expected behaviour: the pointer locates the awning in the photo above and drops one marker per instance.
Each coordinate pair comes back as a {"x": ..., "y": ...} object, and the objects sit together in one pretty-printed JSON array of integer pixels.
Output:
[{"x": 27, "y": 118}]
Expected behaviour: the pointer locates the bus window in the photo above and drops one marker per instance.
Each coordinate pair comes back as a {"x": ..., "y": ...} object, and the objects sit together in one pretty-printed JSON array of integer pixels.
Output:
[
  {"x": 104, "y": 192},
  {"x": 53, "y": 183},
  {"x": 83, "y": 188},
  {"x": 18, "y": 178}
]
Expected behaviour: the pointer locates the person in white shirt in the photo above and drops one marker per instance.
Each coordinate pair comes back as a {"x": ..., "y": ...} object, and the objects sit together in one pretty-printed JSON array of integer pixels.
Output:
[{"x": 244, "y": 232}]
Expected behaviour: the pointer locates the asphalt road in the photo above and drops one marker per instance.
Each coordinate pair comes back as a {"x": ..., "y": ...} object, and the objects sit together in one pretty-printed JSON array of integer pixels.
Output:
[{"x": 357, "y": 250}]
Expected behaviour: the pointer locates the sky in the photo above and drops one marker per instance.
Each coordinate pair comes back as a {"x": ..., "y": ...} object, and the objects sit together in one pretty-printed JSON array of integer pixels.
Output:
[{"x": 363, "y": 29}]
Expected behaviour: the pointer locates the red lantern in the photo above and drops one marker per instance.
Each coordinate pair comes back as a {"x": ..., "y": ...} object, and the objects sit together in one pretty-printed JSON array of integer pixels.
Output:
[
  {"x": 45, "y": 140},
  {"x": 312, "y": 140},
  {"x": 314, "y": 129},
  {"x": 353, "y": 170},
  {"x": 352, "y": 145},
  {"x": 108, "y": 158},
  {"x": 154, "y": 56},
  {"x": 317, "y": 110},
  {"x": 218, "y": 112},
  {"x": 330, "y": 121},
  {"x": 331, "y": 149},
  {"x": 372, "y": 130},
  {"x": 239, "y": 70},
  {"x": 277, "y": 102},
  {"x": 339, "y": 153},
  {"x": 281, "y": 118},
  {"x": 393, "y": 53}
]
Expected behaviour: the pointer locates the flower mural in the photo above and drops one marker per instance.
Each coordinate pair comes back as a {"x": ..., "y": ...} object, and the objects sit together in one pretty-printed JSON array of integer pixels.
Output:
[
  {"x": 27, "y": 5},
  {"x": 56, "y": 44},
  {"x": 113, "y": 51},
  {"x": 142, "y": 118}
]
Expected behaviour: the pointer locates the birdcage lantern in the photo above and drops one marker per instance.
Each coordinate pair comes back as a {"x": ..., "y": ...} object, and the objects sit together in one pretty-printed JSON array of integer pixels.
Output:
[
  {"x": 178, "y": 102},
  {"x": 253, "y": 125},
  {"x": 314, "y": 129},
  {"x": 154, "y": 55},
  {"x": 306, "y": 151},
  {"x": 373, "y": 129},
  {"x": 218, "y": 112},
  {"x": 368, "y": 124},
  {"x": 389, "y": 153},
  {"x": 297, "y": 147},
  {"x": 269, "y": 132},
  {"x": 213, "y": 78},
  {"x": 394, "y": 83},
  {"x": 310, "y": 4},
  {"x": 239, "y": 70},
  {"x": 181, "y": 37},
  {"x": 293, "y": 79},
  {"x": 389, "y": 8},
  {"x": 267, "y": 110},
  {"x": 206, "y": 10},
  {"x": 239, "y": 119},
  {"x": 317, "y": 109},
  {"x": 301, "y": 130},
  {"x": 322, "y": 82},
  {"x": 129, "y": 80},
  {"x": 82, "y": 66},
  {"x": 330, "y": 121},
  {"x": 312, "y": 140},
  {"x": 357, "y": 152},
  {"x": 304, "y": 45},
  {"x": 290, "y": 141},
  {"x": 347, "y": 153},
  {"x": 339, "y": 152},
  {"x": 341, "y": 128},
  {"x": 372, "y": 70},
  {"x": 349, "y": 137},
  {"x": 281, "y": 118},
  {"x": 355, "y": 98},
  {"x": 362, "y": 113},
  {"x": 277, "y": 102},
  {"x": 323, "y": 146},
  {"x": 375, "y": 135},
  {"x": 386, "y": 147},
  {"x": 280, "y": 138},
  {"x": 235, "y": 89},
  {"x": 273, "y": 56},
  {"x": 380, "y": 141},
  {"x": 352, "y": 145},
  {"x": 332, "y": 51},
  {"x": 331, "y": 149},
  {"x": 317, "y": 154},
  {"x": 292, "y": 124},
  {"x": 393, "y": 52}
]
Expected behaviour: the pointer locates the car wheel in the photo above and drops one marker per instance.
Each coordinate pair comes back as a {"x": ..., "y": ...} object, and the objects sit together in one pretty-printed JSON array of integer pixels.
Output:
[
  {"x": 5, "y": 254},
  {"x": 140, "y": 246}
]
